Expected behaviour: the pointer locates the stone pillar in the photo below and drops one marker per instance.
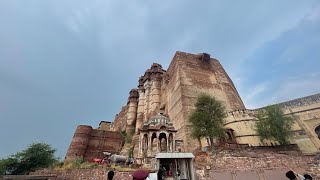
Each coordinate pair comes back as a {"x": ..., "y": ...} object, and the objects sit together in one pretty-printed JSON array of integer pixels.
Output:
[
  {"x": 140, "y": 145},
  {"x": 145, "y": 144},
  {"x": 173, "y": 143},
  {"x": 140, "y": 113},
  {"x": 167, "y": 142},
  {"x": 182, "y": 165},
  {"x": 155, "y": 95},
  {"x": 147, "y": 87},
  {"x": 158, "y": 142},
  {"x": 191, "y": 168},
  {"x": 149, "y": 146},
  {"x": 170, "y": 143},
  {"x": 156, "y": 77},
  {"x": 132, "y": 110}
]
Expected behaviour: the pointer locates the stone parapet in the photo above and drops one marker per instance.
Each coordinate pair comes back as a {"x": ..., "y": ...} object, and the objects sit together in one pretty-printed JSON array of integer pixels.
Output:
[{"x": 75, "y": 174}]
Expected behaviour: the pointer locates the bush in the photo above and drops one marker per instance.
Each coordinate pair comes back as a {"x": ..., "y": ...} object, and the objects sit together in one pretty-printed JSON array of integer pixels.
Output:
[{"x": 77, "y": 163}]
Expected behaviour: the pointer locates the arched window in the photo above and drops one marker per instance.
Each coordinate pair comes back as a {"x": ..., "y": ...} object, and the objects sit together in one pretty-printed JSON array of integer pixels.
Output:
[
  {"x": 170, "y": 143},
  {"x": 163, "y": 142},
  {"x": 145, "y": 143},
  {"x": 154, "y": 142}
]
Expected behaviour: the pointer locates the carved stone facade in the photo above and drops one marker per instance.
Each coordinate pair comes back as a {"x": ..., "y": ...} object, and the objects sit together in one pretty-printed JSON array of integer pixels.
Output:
[{"x": 156, "y": 135}]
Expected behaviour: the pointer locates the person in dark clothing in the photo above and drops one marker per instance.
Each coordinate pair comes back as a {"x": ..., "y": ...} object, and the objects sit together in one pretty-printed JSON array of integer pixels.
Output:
[
  {"x": 290, "y": 175},
  {"x": 110, "y": 174},
  {"x": 160, "y": 173},
  {"x": 307, "y": 177}
]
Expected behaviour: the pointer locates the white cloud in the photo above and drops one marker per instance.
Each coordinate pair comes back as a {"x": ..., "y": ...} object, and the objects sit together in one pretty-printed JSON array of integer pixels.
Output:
[
  {"x": 251, "y": 97},
  {"x": 314, "y": 15},
  {"x": 296, "y": 88}
]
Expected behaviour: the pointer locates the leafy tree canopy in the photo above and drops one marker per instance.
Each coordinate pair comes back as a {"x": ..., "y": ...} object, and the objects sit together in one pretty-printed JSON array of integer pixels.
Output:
[
  {"x": 37, "y": 155},
  {"x": 274, "y": 125},
  {"x": 208, "y": 117}
]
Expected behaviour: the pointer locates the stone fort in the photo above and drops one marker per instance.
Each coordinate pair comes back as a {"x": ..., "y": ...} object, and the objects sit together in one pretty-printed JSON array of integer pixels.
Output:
[{"x": 171, "y": 95}]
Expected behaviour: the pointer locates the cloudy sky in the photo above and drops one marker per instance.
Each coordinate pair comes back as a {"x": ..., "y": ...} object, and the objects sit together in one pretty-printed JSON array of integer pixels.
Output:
[{"x": 64, "y": 63}]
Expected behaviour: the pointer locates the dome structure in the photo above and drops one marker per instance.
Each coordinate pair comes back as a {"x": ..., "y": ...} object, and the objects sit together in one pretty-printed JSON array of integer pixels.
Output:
[{"x": 158, "y": 120}]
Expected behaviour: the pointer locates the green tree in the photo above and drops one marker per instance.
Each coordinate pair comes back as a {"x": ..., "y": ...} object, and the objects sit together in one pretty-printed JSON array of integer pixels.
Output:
[
  {"x": 274, "y": 125},
  {"x": 37, "y": 155},
  {"x": 208, "y": 118}
]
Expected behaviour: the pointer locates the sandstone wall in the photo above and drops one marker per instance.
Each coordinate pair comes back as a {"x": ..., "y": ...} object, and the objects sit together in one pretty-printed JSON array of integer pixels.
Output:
[
  {"x": 174, "y": 92},
  {"x": 306, "y": 112},
  {"x": 189, "y": 75},
  {"x": 120, "y": 120},
  {"x": 92, "y": 174},
  {"x": 264, "y": 164},
  {"x": 90, "y": 143},
  {"x": 103, "y": 141}
]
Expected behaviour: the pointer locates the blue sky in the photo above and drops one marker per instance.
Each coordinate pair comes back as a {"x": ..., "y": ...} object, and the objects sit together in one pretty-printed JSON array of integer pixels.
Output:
[{"x": 64, "y": 63}]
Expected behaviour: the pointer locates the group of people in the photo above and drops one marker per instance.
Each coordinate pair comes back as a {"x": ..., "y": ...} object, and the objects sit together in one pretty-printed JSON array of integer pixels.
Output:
[
  {"x": 162, "y": 174},
  {"x": 137, "y": 175},
  {"x": 295, "y": 176}
]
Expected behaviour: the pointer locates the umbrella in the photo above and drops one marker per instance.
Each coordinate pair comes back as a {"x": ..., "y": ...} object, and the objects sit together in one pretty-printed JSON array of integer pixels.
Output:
[{"x": 140, "y": 174}]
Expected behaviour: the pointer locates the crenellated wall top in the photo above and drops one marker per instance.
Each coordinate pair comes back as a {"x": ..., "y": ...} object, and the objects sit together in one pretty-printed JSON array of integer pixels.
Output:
[
  {"x": 140, "y": 85},
  {"x": 154, "y": 73},
  {"x": 241, "y": 113},
  {"x": 304, "y": 101},
  {"x": 133, "y": 95}
]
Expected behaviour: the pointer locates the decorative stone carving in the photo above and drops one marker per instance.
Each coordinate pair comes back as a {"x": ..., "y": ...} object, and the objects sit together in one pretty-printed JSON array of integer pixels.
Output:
[{"x": 160, "y": 133}]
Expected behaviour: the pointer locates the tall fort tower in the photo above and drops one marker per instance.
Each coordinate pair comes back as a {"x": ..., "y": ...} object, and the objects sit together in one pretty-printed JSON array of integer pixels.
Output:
[{"x": 174, "y": 92}]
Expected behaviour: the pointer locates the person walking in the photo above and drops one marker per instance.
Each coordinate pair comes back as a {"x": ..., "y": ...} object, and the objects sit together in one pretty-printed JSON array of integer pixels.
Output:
[
  {"x": 160, "y": 173},
  {"x": 164, "y": 172}
]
